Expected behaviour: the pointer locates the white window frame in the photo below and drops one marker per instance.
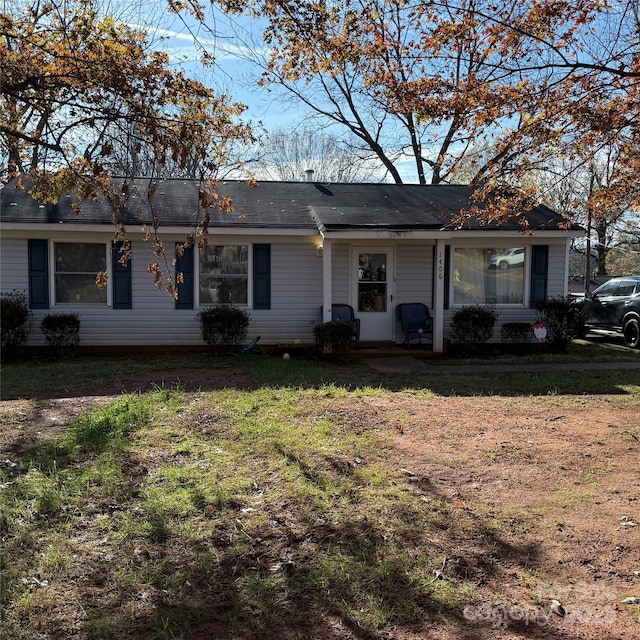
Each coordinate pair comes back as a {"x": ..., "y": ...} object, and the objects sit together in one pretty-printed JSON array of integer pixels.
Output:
[
  {"x": 228, "y": 243},
  {"x": 502, "y": 246},
  {"x": 52, "y": 275}
]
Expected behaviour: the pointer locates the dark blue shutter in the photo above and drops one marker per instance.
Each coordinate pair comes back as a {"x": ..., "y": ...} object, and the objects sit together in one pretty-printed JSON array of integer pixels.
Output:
[
  {"x": 184, "y": 265},
  {"x": 262, "y": 276},
  {"x": 539, "y": 273},
  {"x": 38, "y": 274},
  {"x": 121, "y": 279}
]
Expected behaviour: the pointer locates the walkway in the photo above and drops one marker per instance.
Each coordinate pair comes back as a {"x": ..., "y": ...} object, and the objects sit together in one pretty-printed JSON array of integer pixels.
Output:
[{"x": 413, "y": 365}]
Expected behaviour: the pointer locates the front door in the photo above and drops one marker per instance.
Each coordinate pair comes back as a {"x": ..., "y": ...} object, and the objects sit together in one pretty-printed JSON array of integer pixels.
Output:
[{"x": 373, "y": 292}]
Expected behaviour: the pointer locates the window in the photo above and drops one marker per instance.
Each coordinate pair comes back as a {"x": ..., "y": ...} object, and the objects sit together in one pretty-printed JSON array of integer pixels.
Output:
[
  {"x": 607, "y": 289},
  {"x": 224, "y": 273},
  {"x": 76, "y": 266},
  {"x": 372, "y": 282},
  {"x": 488, "y": 276},
  {"x": 625, "y": 288}
]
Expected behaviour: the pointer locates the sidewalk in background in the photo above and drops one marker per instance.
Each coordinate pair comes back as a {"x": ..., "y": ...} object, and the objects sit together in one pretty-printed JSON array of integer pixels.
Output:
[{"x": 413, "y": 365}]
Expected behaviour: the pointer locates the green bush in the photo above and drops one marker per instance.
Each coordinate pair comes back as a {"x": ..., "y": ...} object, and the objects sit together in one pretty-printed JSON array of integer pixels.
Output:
[
  {"x": 224, "y": 327},
  {"x": 15, "y": 322},
  {"x": 62, "y": 333},
  {"x": 333, "y": 339},
  {"x": 473, "y": 324},
  {"x": 563, "y": 319},
  {"x": 516, "y": 332}
]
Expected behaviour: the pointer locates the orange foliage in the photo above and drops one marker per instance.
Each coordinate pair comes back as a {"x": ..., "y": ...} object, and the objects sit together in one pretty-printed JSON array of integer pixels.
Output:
[
  {"x": 531, "y": 79},
  {"x": 74, "y": 78}
]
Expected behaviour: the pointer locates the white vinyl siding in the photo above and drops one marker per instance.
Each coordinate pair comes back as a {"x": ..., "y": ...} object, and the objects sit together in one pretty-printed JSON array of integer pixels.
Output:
[
  {"x": 557, "y": 276},
  {"x": 296, "y": 290},
  {"x": 340, "y": 273},
  {"x": 14, "y": 272},
  {"x": 414, "y": 278},
  {"x": 296, "y": 294}
]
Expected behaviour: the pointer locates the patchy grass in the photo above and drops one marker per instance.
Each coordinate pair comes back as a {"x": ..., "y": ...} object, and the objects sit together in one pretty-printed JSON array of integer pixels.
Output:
[
  {"x": 247, "y": 510},
  {"x": 44, "y": 378},
  {"x": 359, "y": 376},
  {"x": 84, "y": 375}
]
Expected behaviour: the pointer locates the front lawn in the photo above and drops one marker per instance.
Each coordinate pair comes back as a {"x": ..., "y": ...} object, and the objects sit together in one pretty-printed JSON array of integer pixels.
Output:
[{"x": 259, "y": 498}]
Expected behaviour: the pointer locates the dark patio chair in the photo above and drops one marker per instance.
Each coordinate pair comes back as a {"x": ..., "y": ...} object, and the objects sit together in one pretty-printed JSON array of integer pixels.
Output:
[
  {"x": 416, "y": 319},
  {"x": 345, "y": 312}
]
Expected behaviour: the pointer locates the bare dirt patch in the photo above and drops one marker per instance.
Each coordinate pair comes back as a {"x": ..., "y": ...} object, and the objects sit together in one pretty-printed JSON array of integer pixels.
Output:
[{"x": 555, "y": 479}]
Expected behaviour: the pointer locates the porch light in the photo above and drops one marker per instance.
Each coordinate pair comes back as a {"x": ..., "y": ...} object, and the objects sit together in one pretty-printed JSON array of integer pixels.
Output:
[{"x": 319, "y": 249}]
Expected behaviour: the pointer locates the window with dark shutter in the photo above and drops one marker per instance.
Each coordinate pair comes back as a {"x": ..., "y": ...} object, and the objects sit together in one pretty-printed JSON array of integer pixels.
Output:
[
  {"x": 121, "y": 278},
  {"x": 262, "y": 276},
  {"x": 539, "y": 273},
  {"x": 38, "y": 274},
  {"x": 184, "y": 266}
]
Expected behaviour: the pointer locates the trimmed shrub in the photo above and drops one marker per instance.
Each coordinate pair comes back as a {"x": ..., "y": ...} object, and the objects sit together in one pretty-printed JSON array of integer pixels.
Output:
[
  {"x": 62, "y": 333},
  {"x": 516, "y": 333},
  {"x": 15, "y": 322},
  {"x": 473, "y": 324},
  {"x": 333, "y": 339},
  {"x": 224, "y": 327},
  {"x": 563, "y": 319}
]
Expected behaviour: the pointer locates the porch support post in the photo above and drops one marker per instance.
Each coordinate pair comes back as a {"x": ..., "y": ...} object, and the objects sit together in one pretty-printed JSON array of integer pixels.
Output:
[
  {"x": 326, "y": 280},
  {"x": 438, "y": 298}
]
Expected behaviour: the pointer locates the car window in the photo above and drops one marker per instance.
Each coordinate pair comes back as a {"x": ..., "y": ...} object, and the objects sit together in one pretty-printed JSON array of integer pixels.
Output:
[
  {"x": 606, "y": 289},
  {"x": 625, "y": 288}
]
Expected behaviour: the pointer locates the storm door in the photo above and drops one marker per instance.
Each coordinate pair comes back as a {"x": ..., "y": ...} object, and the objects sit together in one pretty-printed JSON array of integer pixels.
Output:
[{"x": 373, "y": 292}]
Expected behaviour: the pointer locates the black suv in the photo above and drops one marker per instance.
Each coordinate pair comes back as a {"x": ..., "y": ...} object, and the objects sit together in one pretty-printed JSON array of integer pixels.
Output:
[{"x": 615, "y": 306}]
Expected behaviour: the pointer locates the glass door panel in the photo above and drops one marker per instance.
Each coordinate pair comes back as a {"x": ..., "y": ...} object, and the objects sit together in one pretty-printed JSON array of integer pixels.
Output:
[{"x": 372, "y": 282}]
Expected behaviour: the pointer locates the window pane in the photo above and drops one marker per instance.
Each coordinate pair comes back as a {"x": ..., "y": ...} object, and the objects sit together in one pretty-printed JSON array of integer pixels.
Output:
[
  {"x": 488, "y": 276},
  {"x": 228, "y": 259},
  {"x": 372, "y": 297},
  {"x": 625, "y": 289},
  {"x": 223, "y": 274},
  {"x": 223, "y": 290},
  {"x": 79, "y": 288},
  {"x": 78, "y": 257},
  {"x": 372, "y": 282},
  {"x": 77, "y": 264},
  {"x": 372, "y": 266},
  {"x": 607, "y": 289}
]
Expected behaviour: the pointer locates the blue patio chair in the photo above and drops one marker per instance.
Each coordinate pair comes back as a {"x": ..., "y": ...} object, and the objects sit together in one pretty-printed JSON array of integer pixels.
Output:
[
  {"x": 416, "y": 319},
  {"x": 346, "y": 313}
]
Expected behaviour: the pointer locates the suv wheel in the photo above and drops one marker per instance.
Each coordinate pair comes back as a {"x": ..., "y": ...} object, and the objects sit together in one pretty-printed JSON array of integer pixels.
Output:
[
  {"x": 503, "y": 264},
  {"x": 631, "y": 333}
]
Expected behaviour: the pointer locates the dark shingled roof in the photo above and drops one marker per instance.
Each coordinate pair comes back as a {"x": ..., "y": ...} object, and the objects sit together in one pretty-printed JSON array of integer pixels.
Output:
[{"x": 285, "y": 205}]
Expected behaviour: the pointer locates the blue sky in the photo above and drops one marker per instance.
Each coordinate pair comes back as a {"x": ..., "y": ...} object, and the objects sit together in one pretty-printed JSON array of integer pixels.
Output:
[
  {"x": 238, "y": 39},
  {"x": 233, "y": 73}
]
